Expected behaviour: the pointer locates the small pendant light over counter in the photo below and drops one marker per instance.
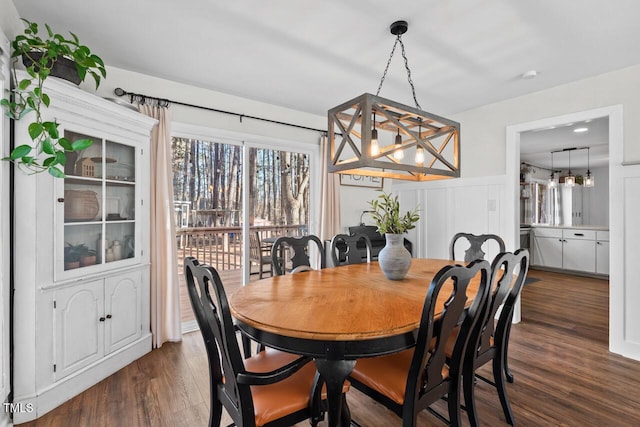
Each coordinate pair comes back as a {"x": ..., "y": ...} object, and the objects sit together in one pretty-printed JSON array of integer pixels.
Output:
[{"x": 589, "y": 180}]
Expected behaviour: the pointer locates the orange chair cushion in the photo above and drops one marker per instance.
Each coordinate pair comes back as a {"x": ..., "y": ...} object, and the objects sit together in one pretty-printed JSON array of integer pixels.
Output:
[
  {"x": 387, "y": 374},
  {"x": 290, "y": 395}
]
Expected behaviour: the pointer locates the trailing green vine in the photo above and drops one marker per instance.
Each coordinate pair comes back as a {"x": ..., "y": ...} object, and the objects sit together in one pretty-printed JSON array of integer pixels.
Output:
[{"x": 48, "y": 148}]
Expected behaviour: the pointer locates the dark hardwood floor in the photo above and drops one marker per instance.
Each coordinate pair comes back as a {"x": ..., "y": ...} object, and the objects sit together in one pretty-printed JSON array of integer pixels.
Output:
[{"x": 564, "y": 374}]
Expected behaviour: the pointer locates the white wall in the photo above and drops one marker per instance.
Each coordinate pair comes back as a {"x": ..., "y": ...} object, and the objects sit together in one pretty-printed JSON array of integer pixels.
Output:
[
  {"x": 8, "y": 18},
  {"x": 483, "y": 129},
  {"x": 161, "y": 88}
]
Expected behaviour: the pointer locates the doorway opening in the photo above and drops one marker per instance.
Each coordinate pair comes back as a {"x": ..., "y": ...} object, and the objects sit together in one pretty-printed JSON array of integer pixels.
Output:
[{"x": 513, "y": 166}]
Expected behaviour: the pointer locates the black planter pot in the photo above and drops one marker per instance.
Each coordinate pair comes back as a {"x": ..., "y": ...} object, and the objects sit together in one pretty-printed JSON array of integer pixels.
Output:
[{"x": 63, "y": 68}]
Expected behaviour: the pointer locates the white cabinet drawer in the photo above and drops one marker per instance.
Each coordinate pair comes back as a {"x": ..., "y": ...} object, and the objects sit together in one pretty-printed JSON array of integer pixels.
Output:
[
  {"x": 602, "y": 235},
  {"x": 547, "y": 232},
  {"x": 579, "y": 234}
]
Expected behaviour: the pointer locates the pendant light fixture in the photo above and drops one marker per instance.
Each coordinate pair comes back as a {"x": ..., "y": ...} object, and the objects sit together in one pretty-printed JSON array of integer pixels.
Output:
[
  {"x": 570, "y": 180},
  {"x": 589, "y": 180},
  {"x": 374, "y": 138},
  {"x": 553, "y": 182},
  {"x": 391, "y": 147},
  {"x": 398, "y": 154}
]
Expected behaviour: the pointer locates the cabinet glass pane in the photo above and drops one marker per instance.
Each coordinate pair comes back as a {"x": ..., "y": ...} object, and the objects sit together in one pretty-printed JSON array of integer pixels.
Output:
[
  {"x": 119, "y": 243},
  {"x": 85, "y": 163},
  {"x": 120, "y": 164},
  {"x": 80, "y": 245},
  {"x": 120, "y": 202}
]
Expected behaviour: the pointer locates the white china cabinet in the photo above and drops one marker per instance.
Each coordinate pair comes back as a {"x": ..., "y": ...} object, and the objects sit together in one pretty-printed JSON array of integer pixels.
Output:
[{"x": 81, "y": 253}]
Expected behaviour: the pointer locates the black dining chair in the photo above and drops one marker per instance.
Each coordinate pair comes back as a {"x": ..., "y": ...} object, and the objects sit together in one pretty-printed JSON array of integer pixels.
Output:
[
  {"x": 352, "y": 248},
  {"x": 272, "y": 388},
  {"x": 412, "y": 380},
  {"x": 259, "y": 254},
  {"x": 475, "y": 242},
  {"x": 297, "y": 250},
  {"x": 490, "y": 339}
]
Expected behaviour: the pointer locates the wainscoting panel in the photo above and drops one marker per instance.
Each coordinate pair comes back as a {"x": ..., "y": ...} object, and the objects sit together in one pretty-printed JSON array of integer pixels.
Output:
[{"x": 473, "y": 205}]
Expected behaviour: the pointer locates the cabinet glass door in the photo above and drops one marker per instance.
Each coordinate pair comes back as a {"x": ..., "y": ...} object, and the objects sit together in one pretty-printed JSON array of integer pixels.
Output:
[
  {"x": 120, "y": 172},
  {"x": 99, "y": 203},
  {"x": 83, "y": 195}
]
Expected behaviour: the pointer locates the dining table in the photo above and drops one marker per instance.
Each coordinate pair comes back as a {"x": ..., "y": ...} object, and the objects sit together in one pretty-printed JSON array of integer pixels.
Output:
[{"x": 337, "y": 315}]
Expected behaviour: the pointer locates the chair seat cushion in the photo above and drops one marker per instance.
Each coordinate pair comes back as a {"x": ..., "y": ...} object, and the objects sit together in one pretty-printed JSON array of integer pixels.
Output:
[
  {"x": 387, "y": 374},
  {"x": 290, "y": 395}
]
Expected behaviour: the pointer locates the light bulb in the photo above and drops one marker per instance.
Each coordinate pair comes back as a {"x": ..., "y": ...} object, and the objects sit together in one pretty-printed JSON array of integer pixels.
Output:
[
  {"x": 398, "y": 154},
  {"x": 589, "y": 180},
  {"x": 553, "y": 182},
  {"x": 374, "y": 143},
  {"x": 569, "y": 180},
  {"x": 419, "y": 156}
]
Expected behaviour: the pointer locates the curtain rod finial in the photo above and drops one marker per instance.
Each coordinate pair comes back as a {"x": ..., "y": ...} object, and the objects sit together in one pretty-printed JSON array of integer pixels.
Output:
[{"x": 119, "y": 91}]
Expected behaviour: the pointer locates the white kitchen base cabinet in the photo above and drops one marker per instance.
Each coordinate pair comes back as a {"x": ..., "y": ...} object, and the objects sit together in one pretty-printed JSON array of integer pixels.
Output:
[
  {"x": 579, "y": 255},
  {"x": 602, "y": 252},
  {"x": 572, "y": 249},
  {"x": 81, "y": 255}
]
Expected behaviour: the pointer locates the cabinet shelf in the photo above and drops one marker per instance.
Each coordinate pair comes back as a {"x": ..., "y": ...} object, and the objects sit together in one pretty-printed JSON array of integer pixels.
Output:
[{"x": 83, "y": 180}]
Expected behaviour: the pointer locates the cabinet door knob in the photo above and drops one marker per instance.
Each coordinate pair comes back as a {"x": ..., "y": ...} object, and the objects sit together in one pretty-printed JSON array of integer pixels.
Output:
[
  {"x": 108, "y": 316},
  {"x": 101, "y": 319}
]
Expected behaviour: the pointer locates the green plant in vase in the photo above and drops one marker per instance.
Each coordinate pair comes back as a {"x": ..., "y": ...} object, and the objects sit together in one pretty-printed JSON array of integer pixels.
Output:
[
  {"x": 386, "y": 214},
  {"x": 42, "y": 57},
  {"x": 394, "y": 259}
]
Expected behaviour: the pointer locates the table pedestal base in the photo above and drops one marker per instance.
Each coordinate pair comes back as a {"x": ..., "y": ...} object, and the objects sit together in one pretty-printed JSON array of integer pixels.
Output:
[{"x": 334, "y": 373}]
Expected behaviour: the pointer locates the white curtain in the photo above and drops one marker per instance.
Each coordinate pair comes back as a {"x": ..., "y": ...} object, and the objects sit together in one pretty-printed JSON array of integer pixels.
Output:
[
  {"x": 329, "y": 196},
  {"x": 165, "y": 297}
]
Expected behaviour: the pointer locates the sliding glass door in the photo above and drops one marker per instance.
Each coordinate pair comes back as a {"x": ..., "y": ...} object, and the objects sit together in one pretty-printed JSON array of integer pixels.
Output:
[{"x": 210, "y": 204}]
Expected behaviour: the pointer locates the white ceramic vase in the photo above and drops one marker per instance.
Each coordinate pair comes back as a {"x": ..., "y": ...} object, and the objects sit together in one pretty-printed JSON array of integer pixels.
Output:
[{"x": 394, "y": 259}]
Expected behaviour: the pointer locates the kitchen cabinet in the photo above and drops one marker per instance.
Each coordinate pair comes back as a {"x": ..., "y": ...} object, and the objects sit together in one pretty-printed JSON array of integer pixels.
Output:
[
  {"x": 570, "y": 249},
  {"x": 602, "y": 252},
  {"x": 578, "y": 250},
  {"x": 547, "y": 247},
  {"x": 81, "y": 254},
  {"x": 95, "y": 318}
]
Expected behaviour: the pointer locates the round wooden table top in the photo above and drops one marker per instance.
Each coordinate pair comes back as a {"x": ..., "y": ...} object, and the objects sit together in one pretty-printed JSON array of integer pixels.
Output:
[{"x": 347, "y": 303}]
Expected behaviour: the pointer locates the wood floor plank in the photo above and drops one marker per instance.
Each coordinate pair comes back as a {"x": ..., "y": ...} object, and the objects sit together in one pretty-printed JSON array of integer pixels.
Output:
[{"x": 564, "y": 374}]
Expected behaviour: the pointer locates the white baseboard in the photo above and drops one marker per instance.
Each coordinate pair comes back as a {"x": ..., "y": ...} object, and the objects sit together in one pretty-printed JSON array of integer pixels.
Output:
[{"x": 190, "y": 326}]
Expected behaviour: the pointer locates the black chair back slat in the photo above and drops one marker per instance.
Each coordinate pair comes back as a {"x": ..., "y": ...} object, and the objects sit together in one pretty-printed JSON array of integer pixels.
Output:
[
  {"x": 298, "y": 248},
  {"x": 476, "y": 242},
  {"x": 353, "y": 246}
]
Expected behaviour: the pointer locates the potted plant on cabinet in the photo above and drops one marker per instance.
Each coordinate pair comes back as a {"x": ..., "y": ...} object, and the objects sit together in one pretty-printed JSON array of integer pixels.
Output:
[
  {"x": 43, "y": 57},
  {"x": 78, "y": 256},
  {"x": 394, "y": 259}
]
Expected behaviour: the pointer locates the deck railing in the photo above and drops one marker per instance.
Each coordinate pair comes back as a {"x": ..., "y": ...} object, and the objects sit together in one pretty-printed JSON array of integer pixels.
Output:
[{"x": 221, "y": 247}]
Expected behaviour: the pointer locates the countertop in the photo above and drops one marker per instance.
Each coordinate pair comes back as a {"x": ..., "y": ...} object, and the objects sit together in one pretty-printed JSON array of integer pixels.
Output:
[{"x": 580, "y": 227}]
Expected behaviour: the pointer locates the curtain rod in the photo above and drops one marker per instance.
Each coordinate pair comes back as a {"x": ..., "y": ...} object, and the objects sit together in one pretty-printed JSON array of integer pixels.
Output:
[{"x": 165, "y": 102}]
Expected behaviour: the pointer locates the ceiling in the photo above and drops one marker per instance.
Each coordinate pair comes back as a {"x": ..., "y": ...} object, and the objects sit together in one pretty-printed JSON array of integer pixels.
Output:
[
  {"x": 536, "y": 146},
  {"x": 313, "y": 55}
]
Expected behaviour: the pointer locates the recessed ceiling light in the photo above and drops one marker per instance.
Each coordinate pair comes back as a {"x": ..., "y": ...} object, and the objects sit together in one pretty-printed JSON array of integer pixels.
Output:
[
  {"x": 528, "y": 75},
  {"x": 580, "y": 130}
]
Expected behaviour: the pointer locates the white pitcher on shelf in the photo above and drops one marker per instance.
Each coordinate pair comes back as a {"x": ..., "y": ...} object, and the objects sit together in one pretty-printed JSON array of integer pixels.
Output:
[{"x": 117, "y": 250}]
